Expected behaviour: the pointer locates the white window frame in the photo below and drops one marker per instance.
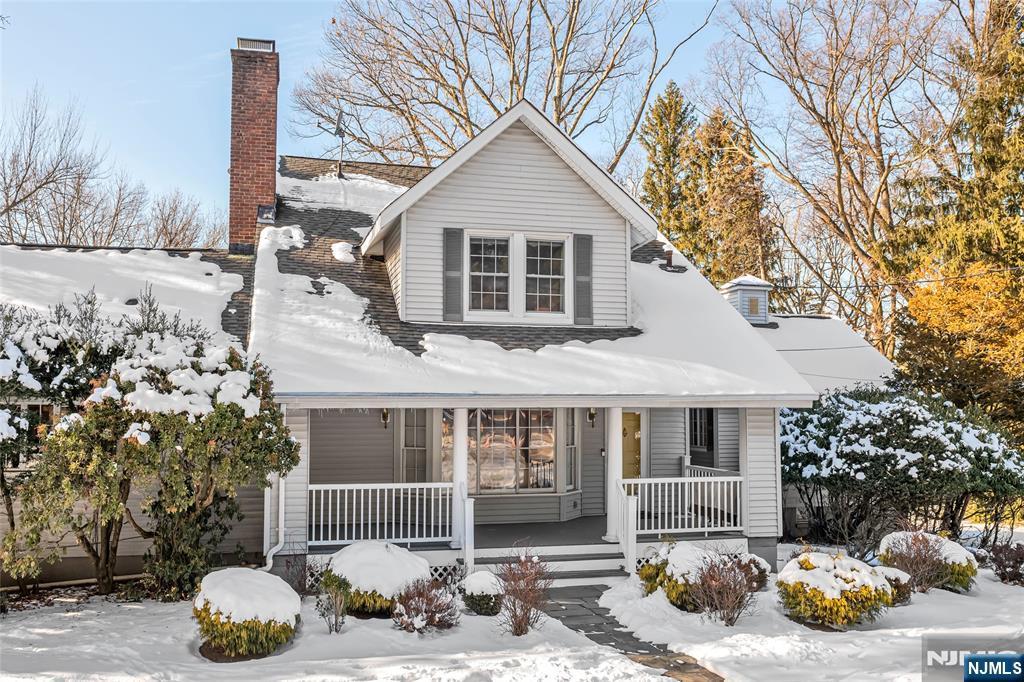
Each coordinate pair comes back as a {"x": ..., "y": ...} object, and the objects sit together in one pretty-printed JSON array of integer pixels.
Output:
[{"x": 517, "y": 312}]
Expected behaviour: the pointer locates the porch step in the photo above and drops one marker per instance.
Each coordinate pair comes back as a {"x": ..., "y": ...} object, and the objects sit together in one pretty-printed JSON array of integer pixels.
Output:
[
  {"x": 548, "y": 551},
  {"x": 559, "y": 563},
  {"x": 575, "y": 578},
  {"x": 570, "y": 565}
]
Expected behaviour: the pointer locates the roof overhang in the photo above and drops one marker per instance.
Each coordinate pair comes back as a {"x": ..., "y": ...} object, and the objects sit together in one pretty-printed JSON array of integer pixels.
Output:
[
  {"x": 381, "y": 400},
  {"x": 595, "y": 176}
]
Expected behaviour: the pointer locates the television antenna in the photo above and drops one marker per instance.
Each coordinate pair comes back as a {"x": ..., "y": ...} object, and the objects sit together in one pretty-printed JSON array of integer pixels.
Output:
[{"x": 338, "y": 132}]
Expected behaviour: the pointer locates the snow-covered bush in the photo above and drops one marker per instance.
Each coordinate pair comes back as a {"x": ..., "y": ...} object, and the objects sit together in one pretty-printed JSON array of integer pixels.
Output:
[
  {"x": 332, "y": 603},
  {"x": 867, "y": 458},
  {"x": 930, "y": 560},
  {"x": 900, "y": 583},
  {"x": 378, "y": 572},
  {"x": 1008, "y": 563},
  {"x": 425, "y": 604},
  {"x": 525, "y": 580},
  {"x": 700, "y": 580},
  {"x": 832, "y": 590},
  {"x": 481, "y": 592},
  {"x": 245, "y": 612}
]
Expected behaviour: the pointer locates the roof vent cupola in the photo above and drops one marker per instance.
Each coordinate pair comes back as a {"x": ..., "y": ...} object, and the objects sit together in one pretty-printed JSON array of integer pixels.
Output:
[{"x": 749, "y": 295}]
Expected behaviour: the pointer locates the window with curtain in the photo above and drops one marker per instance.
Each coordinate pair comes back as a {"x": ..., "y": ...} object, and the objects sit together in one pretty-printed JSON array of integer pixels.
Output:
[{"x": 510, "y": 450}]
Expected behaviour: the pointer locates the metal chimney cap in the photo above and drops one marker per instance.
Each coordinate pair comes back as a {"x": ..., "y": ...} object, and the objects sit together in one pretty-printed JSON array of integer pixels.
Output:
[{"x": 256, "y": 44}]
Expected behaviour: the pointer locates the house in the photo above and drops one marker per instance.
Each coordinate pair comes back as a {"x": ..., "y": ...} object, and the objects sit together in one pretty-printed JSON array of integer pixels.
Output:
[{"x": 496, "y": 352}]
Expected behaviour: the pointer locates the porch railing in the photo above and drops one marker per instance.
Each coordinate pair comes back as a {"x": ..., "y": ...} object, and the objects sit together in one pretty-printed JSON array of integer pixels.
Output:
[
  {"x": 397, "y": 512},
  {"x": 692, "y": 504},
  {"x": 694, "y": 471}
]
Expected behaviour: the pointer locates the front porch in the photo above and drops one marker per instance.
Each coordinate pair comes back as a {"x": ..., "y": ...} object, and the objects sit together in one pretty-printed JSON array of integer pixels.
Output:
[{"x": 602, "y": 480}]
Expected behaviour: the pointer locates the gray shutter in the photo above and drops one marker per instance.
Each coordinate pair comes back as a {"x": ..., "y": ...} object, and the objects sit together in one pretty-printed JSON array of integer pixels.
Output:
[
  {"x": 583, "y": 266},
  {"x": 452, "y": 296}
]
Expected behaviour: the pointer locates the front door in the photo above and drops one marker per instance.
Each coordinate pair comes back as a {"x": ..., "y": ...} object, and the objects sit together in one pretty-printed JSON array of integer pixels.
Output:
[{"x": 630, "y": 445}]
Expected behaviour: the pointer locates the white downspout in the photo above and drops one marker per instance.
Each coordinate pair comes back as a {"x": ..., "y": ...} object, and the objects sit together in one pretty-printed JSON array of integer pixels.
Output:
[{"x": 280, "y": 511}]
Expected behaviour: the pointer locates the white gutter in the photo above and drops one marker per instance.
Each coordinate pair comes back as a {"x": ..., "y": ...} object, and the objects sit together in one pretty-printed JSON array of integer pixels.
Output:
[{"x": 280, "y": 513}]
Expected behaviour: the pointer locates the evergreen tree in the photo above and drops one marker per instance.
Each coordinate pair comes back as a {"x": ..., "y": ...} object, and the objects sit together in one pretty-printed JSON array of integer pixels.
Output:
[{"x": 665, "y": 131}]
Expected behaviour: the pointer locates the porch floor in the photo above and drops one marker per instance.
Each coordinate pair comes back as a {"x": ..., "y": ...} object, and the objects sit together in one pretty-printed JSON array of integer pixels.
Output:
[{"x": 586, "y": 530}]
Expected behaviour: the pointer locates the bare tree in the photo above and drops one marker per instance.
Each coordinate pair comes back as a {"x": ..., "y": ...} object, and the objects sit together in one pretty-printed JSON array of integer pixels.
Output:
[
  {"x": 831, "y": 91},
  {"x": 416, "y": 79},
  {"x": 57, "y": 188}
]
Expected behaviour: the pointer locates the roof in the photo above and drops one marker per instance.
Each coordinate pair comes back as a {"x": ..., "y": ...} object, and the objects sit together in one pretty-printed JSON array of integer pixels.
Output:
[
  {"x": 612, "y": 192},
  {"x": 746, "y": 281},
  {"x": 210, "y": 286},
  {"x": 330, "y": 327},
  {"x": 826, "y": 351}
]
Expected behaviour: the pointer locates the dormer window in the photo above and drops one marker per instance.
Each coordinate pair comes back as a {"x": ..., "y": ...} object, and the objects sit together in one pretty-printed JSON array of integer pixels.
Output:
[
  {"x": 488, "y": 274},
  {"x": 517, "y": 277},
  {"x": 545, "y": 276}
]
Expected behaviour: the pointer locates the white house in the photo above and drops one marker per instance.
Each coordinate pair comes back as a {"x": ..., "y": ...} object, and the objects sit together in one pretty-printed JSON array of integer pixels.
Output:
[{"x": 497, "y": 351}]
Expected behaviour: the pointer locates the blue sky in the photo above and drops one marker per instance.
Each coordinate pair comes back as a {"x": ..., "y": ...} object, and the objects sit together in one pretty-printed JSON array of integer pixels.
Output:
[{"x": 152, "y": 78}]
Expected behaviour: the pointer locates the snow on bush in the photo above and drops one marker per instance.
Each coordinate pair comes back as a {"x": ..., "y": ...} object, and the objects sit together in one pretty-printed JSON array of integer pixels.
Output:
[
  {"x": 377, "y": 571},
  {"x": 425, "y": 604},
  {"x": 899, "y": 581},
  {"x": 11, "y": 426},
  {"x": 866, "y": 458},
  {"x": 930, "y": 560},
  {"x": 678, "y": 567},
  {"x": 245, "y": 612},
  {"x": 482, "y": 592},
  {"x": 834, "y": 590}
]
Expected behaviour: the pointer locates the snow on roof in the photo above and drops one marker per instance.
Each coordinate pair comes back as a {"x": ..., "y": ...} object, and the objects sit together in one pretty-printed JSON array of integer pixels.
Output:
[
  {"x": 748, "y": 281},
  {"x": 694, "y": 345},
  {"x": 352, "y": 192},
  {"x": 826, "y": 351},
  {"x": 43, "y": 277}
]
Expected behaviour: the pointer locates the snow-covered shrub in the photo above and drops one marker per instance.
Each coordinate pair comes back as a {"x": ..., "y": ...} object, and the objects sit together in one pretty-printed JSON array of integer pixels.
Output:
[
  {"x": 332, "y": 601},
  {"x": 525, "y": 581},
  {"x": 832, "y": 590},
  {"x": 245, "y": 612},
  {"x": 756, "y": 568},
  {"x": 425, "y": 604},
  {"x": 867, "y": 458},
  {"x": 1008, "y": 563},
  {"x": 672, "y": 570},
  {"x": 900, "y": 583},
  {"x": 481, "y": 592},
  {"x": 931, "y": 560},
  {"x": 378, "y": 571}
]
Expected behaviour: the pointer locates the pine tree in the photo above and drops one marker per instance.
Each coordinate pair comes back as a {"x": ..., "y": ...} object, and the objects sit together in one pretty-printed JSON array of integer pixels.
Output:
[{"x": 668, "y": 125}]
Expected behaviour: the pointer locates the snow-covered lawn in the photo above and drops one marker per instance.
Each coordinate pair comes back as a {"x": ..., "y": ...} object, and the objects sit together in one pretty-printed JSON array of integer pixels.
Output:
[
  {"x": 768, "y": 646},
  {"x": 148, "y": 640}
]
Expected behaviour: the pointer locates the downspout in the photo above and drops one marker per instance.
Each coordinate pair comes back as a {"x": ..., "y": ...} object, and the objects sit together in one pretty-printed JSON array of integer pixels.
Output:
[{"x": 280, "y": 510}]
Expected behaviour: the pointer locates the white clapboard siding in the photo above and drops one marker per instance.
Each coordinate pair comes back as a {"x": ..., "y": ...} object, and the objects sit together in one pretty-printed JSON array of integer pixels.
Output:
[
  {"x": 393, "y": 262},
  {"x": 667, "y": 441},
  {"x": 759, "y": 460},
  {"x": 727, "y": 438},
  {"x": 738, "y": 297},
  {"x": 296, "y": 487},
  {"x": 516, "y": 183}
]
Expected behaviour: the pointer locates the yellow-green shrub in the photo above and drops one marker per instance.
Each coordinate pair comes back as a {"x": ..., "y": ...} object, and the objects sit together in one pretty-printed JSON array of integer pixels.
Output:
[
  {"x": 247, "y": 638},
  {"x": 371, "y": 603},
  {"x": 654, "y": 574},
  {"x": 930, "y": 560},
  {"x": 833, "y": 590}
]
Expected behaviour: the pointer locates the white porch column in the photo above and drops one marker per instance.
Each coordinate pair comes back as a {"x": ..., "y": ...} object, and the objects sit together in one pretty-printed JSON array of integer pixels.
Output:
[
  {"x": 613, "y": 470},
  {"x": 460, "y": 474}
]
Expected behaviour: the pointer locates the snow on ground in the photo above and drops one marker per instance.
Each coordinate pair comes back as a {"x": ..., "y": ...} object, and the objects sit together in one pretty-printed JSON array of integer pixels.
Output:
[
  {"x": 40, "y": 278},
  {"x": 768, "y": 646},
  {"x": 325, "y": 344},
  {"x": 826, "y": 351},
  {"x": 150, "y": 640}
]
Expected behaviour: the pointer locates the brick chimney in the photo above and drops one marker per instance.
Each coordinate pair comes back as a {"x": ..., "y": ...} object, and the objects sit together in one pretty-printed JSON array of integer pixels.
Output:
[{"x": 252, "y": 193}]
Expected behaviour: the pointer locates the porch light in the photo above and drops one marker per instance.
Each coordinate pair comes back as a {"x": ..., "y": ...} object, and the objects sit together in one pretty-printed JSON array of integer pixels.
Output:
[
  {"x": 385, "y": 417},
  {"x": 591, "y": 416}
]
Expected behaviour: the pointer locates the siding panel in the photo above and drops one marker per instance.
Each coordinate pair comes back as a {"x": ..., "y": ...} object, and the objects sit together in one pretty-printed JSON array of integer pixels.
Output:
[
  {"x": 393, "y": 262},
  {"x": 727, "y": 438},
  {"x": 516, "y": 183},
  {"x": 351, "y": 446},
  {"x": 762, "y": 468},
  {"x": 667, "y": 445},
  {"x": 592, "y": 441}
]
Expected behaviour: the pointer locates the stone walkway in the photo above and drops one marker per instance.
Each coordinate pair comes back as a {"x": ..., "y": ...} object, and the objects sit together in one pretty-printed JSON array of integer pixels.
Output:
[{"x": 577, "y": 609}]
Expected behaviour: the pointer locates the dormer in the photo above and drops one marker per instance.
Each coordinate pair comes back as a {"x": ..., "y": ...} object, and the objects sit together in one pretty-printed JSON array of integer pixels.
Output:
[
  {"x": 518, "y": 227},
  {"x": 749, "y": 295}
]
